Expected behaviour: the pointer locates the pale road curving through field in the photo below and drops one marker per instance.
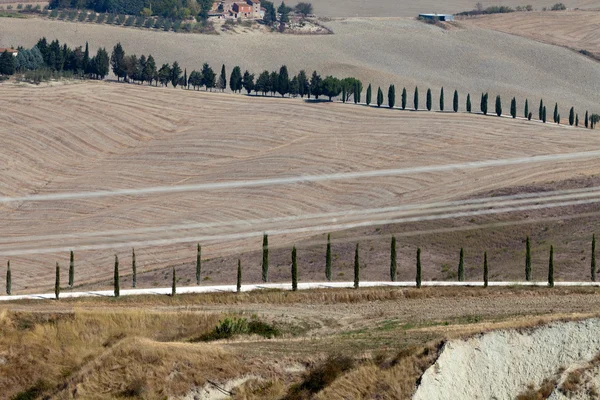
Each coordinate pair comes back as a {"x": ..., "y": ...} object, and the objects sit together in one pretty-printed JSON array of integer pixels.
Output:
[{"x": 166, "y": 291}]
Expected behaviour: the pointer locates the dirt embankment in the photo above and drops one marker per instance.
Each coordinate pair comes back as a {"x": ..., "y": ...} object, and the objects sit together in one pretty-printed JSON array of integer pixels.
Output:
[{"x": 503, "y": 364}]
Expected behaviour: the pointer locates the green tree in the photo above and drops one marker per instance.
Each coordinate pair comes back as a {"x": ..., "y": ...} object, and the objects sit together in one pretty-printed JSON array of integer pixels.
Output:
[
  {"x": 71, "y": 270},
  {"x": 175, "y": 74},
  {"x": 544, "y": 114},
  {"x": 149, "y": 72},
  {"x": 484, "y": 103},
  {"x": 116, "y": 284},
  {"x": 391, "y": 96},
  {"x": 526, "y": 111},
  {"x": 198, "y": 263},
  {"x": 265, "y": 258},
  {"x": 222, "y": 82},
  {"x": 174, "y": 285},
  {"x": 498, "y": 106},
  {"x": 343, "y": 94},
  {"x": 442, "y": 99},
  {"x": 57, "y": 282},
  {"x": 513, "y": 108},
  {"x": 379, "y": 97},
  {"x": 416, "y": 98},
  {"x": 369, "y": 95},
  {"x": 248, "y": 81},
  {"x": 586, "y": 121},
  {"x": 485, "y": 270},
  {"x": 315, "y": 85},
  {"x": 404, "y": 98},
  {"x": 328, "y": 258},
  {"x": 528, "y": 260},
  {"x": 393, "y": 265},
  {"x": 184, "y": 82},
  {"x": 331, "y": 87},
  {"x": 283, "y": 81},
  {"x": 576, "y": 119},
  {"x": 593, "y": 263},
  {"x": 235, "y": 80},
  {"x": 572, "y": 116},
  {"x": 117, "y": 61},
  {"x": 541, "y": 111},
  {"x": 303, "y": 84},
  {"x": 455, "y": 101},
  {"x": 469, "y": 102},
  {"x": 8, "y": 279},
  {"x": 294, "y": 270},
  {"x": 428, "y": 100},
  {"x": 461, "y": 266},
  {"x": 551, "y": 268},
  {"x": 356, "y": 93},
  {"x": 304, "y": 9},
  {"x": 208, "y": 77},
  {"x": 86, "y": 59},
  {"x": 133, "y": 269},
  {"x": 418, "y": 279},
  {"x": 239, "y": 277},
  {"x": 556, "y": 113},
  {"x": 356, "y": 268}
]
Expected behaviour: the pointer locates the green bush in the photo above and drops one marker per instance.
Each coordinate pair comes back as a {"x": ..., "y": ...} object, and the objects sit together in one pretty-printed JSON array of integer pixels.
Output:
[
  {"x": 121, "y": 19},
  {"x": 19, "y": 6},
  {"x": 230, "y": 327},
  {"x": 558, "y": 7},
  {"x": 130, "y": 21}
]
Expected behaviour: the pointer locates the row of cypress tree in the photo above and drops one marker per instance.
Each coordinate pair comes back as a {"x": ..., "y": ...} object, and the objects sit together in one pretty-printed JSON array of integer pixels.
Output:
[{"x": 328, "y": 267}]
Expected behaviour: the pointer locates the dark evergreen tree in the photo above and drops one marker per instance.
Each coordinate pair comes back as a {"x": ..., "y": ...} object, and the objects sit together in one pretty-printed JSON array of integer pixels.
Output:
[
  {"x": 357, "y": 90},
  {"x": 117, "y": 61},
  {"x": 529, "y": 116},
  {"x": 208, "y": 77},
  {"x": 576, "y": 120},
  {"x": 175, "y": 74},
  {"x": 428, "y": 100},
  {"x": 369, "y": 95},
  {"x": 551, "y": 268},
  {"x": 544, "y": 114},
  {"x": 174, "y": 285},
  {"x": 116, "y": 284},
  {"x": 222, "y": 83},
  {"x": 485, "y": 270},
  {"x": 315, "y": 85},
  {"x": 541, "y": 112},
  {"x": 8, "y": 279},
  {"x": 283, "y": 81},
  {"x": 236, "y": 80},
  {"x": 556, "y": 113},
  {"x": 455, "y": 101},
  {"x": 198, "y": 263},
  {"x": 101, "y": 63},
  {"x": 57, "y": 282},
  {"x": 416, "y": 99},
  {"x": 265, "y": 258},
  {"x": 593, "y": 258},
  {"x": 71, "y": 270},
  {"x": 343, "y": 93},
  {"x": 442, "y": 99},
  {"x": 513, "y": 108},
  {"x": 558, "y": 119},
  {"x": 86, "y": 59},
  {"x": 528, "y": 260},
  {"x": 393, "y": 266},
  {"x": 498, "y": 106},
  {"x": 379, "y": 97},
  {"x": 294, "y": 270},
  {"x": 303, "y": 84},
  {"x": 133, "y": 269},
  {"x": 469, "y": 102},
  {"x": 239, "y": 277},
  {"x": 484, "y": 103},
  {"x": 391, "y": 96},
  {"x": 418, "y": 278},
  {"x": 404, "y": 98},
  {"x": 461, "y": 266},
  {"x": 328, "y": 258},
  {"x": 248, "y": 81},
  {"x": 526, "y": 110},
  {"x": 586, "y": 121},
  {"x": 184, "y": 80},
  {"x": 572, "y": 116},
  {"x": 356, "y": 268}
]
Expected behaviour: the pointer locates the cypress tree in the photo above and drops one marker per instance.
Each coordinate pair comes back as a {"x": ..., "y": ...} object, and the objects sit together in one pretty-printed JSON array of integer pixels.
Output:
[
  {"x": 541, "y": 113},
  {"x": 485, "y": 270},
  {"x": 593, "y": 263},
  {"x": 572, "y": 116},
  {"x": 223, "y": 79},
  {"x": 404, "y": 98},
  {"x": 513, "y": 108},
  {"x": 379, "y": 97},
  {"x": 529, "y": 116},
  {"x": 117, "y": 286},
  {"x": 418, "y": 278},
  {"x": 428, "y": 100},
  {"x": 442, "y": 99},
  {"x": 393, "y": 266},
  {"x": 265, "y": 259},
  {"x": 239, "y": 276},
  {"x": 416, "y": 99},
  {"x": 8, "y": 279},
  {"x": 328, "y": 258},
  {"x": 71, "y": 270},
  {"x": 369, "y": 95},
  {"x": 485, "y": 104},
  {"x": 544, "y": 115},
  {"x": 57, "y": 282},
  {"x": 356, "y": 93},
  {"x": 174, "y": 285},
  {"x": 133, "y": 269},
  {"x": 576, "y": 119},
  {"x": 185, "y": 80},
  {"x": 294, "y": 270},
  {"x": 198, "y": 263},
  {"x": 558, "y": 119},
  {"x": 392, "y": 96},
  {"x": 526, "y": 112},
  {"x": 469, "y": 102},
  {"x": 461, "y": 266},
  {"x": 343, "y": 93},
  {"x": 586, "y": 119},
  {"x": 498, "y": 106},
  {"x": 455, "y": 101},
  {"x": 555, "y": 113},
  {"x": 528, "y": 260},
  {"x": 551, "y": 268},
  {"x": 356, "y": 268}
]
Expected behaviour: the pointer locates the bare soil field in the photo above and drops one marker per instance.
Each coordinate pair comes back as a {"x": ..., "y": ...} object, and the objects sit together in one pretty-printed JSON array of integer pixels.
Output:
[
  {"x": 577, "y": 30},
  {"x": 106, "y": 136},
  {"x": 380, "y": 51}
]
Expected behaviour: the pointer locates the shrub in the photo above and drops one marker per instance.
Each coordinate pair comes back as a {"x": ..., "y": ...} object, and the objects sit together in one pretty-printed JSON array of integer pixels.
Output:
[
  {"x": 19, "y": 6},
  {"x": 53, "y": 14},
  {"x": 230, "y": 327},
  {"x": 82, "y": 16},
  {"x": 101, "y": 18},
  {"x": 139, "y": 21},
  {"x": 130, "y": 20},
  {"x": 558, "y": 7},
  {"x": 120, "y": 19},
  {"x": 320, "y": 377},
  {"x": 149, "y": 23}
]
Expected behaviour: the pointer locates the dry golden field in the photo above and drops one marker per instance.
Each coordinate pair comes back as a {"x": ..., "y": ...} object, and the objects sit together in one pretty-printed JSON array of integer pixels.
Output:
[{"x": 106, "y": 136}]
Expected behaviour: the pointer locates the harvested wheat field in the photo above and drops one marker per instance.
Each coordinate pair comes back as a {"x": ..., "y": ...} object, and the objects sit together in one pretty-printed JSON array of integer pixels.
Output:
[
  {"x": 577, "y": 30},
  {"x": 380, "y": 51},
  {"x": 92, "y": 137}
]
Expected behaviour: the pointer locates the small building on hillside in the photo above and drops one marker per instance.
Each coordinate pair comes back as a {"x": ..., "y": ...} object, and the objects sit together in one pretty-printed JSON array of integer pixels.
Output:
[
  {"x": 241, "y": 10},
  {"x": 14, "y": 52},
  {"x": 439, "y": 17}
]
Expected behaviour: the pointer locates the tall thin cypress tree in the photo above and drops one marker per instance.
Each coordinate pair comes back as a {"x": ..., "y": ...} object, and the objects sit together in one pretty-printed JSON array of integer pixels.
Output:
[
  {"x": 593, "y": 263},
  {"x": 469, "y": 102},
  {"x": 294, "y": 270},
  {"x": 485, "y": 104},
  {"x": 571, "y": 116},
  {"x": 393, "y": 266},
  {"x": 239, "y": 276},
  {"x": 526, "y": 111},
  {"x": 356, "y": 268},
  {"x": 356, "y": 93},
  {"x": 265, "y": 259},
  {"x": 328, "y": 258},
  {"x": 71, "y": 270},
  {"x": 133, "y": 269},
  {"x": 416, "y": 99},
  {"x": 513, "y": 108},
  {"x": 442, "y": 99},
  {"x": 485, "y": 270},
  {"x": 544, "y": 115},
  {"x": 404, "y": 98},
  {"x": 8, "y": 279},
  {"x": 498, "y": 106},
  {"x": 174, "y": 285},
  {"x": 555, "y": 113},
  {"x": 57, "y": 282},
  {"x": 461, "y": 266},
  {"x": 541, "y": 112},
  {"x": 418, "y": 278},
  {"x": 369, "y": 95},
  {"x": 528, "y": 260},
  {"x": 586, "y": 121},
  {"x": 379, "y": 97},
  {"x": 428, "y": 100},
  {"x": 455, "y": 101},
  {"x": 198, "y": 263},
  {"x": 117, "y": 286},
  {"x": 392, "y": 96},
  {"x": 576, "y": 119},
  {"x": 551, "y": 268}
]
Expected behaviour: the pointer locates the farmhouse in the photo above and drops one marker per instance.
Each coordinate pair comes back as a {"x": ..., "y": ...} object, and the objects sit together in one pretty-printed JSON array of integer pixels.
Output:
[
  {"x": 14, "y": 52},
  {"x": 439, "y": 17},
  {"x": 249, "y": 9}
]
